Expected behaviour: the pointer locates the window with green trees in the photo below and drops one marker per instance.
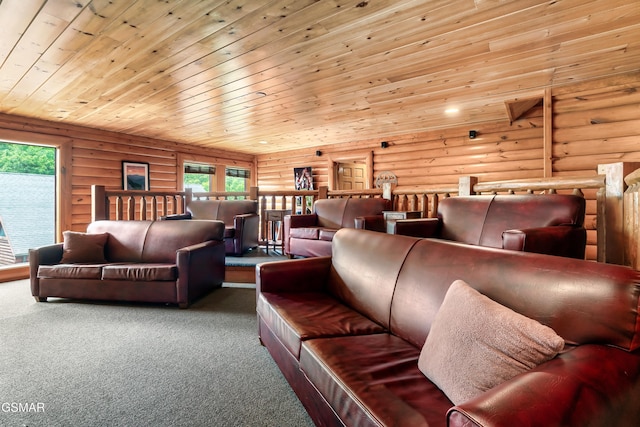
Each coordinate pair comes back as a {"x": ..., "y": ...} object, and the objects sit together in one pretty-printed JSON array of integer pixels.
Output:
[
  {"x": 27, "y": 199},
  {"x": 22, "y": 158}
]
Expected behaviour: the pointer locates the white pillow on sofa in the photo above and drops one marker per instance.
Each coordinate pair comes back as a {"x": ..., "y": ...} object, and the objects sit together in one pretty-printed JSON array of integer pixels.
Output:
[{"x": 475, "y": 344}]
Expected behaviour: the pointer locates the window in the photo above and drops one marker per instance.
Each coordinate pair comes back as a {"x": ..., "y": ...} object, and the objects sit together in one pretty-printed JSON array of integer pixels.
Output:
[
  {"x": 236, "y": 180},
  {"x": 27, "y": 199},
  {"x": 199, "y": 177}
]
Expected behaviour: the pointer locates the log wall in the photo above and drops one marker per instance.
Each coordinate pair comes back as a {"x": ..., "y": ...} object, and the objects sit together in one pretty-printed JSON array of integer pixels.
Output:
[
  {"x": 593, "y": 123},
  {"x": 88, "y": 156}
]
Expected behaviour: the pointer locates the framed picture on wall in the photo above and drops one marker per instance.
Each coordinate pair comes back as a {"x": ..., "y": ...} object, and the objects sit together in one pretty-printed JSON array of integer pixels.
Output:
[
  {"x": 303, "y": 179},
  {"x": 135, "y": 176}
]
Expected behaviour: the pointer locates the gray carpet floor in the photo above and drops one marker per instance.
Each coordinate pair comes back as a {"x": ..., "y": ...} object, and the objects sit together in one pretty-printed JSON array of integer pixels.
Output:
[{"x": 65, "y": 363}]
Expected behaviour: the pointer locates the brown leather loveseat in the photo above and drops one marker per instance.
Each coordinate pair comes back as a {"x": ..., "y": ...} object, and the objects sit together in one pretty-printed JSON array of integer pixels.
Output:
[
  {"x": 549, "y": 224},
  {"x": 240, "y": 217},
  {"x": 387, "y": 332},
  {"x": 143, "y": 261},
  {"x": 311, "y": 234}
]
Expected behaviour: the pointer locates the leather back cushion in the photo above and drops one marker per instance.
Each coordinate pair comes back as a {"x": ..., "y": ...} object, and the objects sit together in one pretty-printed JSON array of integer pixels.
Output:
[
  {"x": 223, "y": 210},
  {"x": 462, "y": 218},
  {"x": 153, "y": 241},
  {"x": 230, "y": 208},
  {"x": 583, "y": 301},
  {"x": 362, "y": 278},
  {"x": 164, "y": 238},
  {"x": 363, "y": 207},
  {"x": 330, "y": 212},
  {"x": 480, "y": 220},
  {"x": 126, "y": 238},
  {"x": 508, "y": 212},
  {"x": 341, "y": 213}
]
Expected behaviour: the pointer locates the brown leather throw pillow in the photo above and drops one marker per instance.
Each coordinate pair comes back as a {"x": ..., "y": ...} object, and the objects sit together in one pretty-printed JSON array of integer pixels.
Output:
[{"x": 83, "y": 247}]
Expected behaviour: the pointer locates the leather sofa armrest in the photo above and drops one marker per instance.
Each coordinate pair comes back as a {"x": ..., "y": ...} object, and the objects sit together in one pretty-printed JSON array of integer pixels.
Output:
[
  {"x": 239, "y": 221},
  {"x": 606, "y": 381},
  {"x": 561, "y": 240},
  {"x": 295, "y": 221},
  {"x": 247, "y": 228},
  {"x": 199, "y": 266},
  {"x": 44, "y": 255},
  {"x": 418, "y": 227},
  {"x": 304, "y": 220},
  {"x": 298, "y": 275},
  {"x": 370, "y": 222},
  {"x": 176, "y": 216}
]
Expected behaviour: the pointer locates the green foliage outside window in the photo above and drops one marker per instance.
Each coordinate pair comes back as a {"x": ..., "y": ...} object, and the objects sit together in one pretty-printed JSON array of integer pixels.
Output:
[
  {"x": 233, "y": 184},
  {"x": 199, "y": 180},
  {"x": 20, "y": 158}
]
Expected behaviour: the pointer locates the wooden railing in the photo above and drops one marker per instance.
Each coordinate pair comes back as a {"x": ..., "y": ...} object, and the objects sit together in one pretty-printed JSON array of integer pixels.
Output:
[{"x": 616, "y": 228}]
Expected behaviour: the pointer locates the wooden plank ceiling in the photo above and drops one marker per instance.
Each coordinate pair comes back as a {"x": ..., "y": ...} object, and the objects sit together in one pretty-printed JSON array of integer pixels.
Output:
[{"x": 299, "y": 73}]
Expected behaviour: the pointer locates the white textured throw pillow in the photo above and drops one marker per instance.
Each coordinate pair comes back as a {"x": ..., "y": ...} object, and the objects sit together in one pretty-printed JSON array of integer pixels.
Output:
[{"x": 475, "y": 344}]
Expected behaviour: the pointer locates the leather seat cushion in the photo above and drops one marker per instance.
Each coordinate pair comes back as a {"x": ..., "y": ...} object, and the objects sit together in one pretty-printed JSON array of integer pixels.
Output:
[
  {"x": 70, "y": 271},
  {"x": 309, "y": 233},
  {"x": 295, "y": 317},
  {"x": 140, "y": 272},
  {"x": 382, "y": 371},
  {"x": 326, "y": 234}
]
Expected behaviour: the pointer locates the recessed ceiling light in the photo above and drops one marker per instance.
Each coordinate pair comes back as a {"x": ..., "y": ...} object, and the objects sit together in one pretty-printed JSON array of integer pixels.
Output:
[
  {"x": 451, "y": 110},
  {"x": 263, "y": 142}
]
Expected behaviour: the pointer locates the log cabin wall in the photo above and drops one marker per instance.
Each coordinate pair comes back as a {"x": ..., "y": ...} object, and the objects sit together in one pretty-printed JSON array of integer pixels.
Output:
[
  {"x": 88, "y": 156},
  {"x": 594, "y": 123}
]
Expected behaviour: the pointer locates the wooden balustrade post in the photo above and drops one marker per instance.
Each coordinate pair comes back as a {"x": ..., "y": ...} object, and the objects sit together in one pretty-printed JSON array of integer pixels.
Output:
[
  {"x": 119, "y": 208},
  {"x": 131, "y": 209},
  {"x": 154, "y": 208},
  {"x": 424, "y": 205},
  {"x": 253, "y": 193},
  {"x": 610, "y": 230},
  {"x": 632, "y": 219},
  {"x": 99, "y": 203},
  {"x": 188, "y": 197},
  {"x": 466, "y": 184},
  {"x": 323, "y": 192},
  {"x": 434, "y": 206}
]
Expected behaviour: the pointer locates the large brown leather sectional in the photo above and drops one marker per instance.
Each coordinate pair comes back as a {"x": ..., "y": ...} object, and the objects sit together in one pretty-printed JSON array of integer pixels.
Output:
[
  {"x": 173, "y": 262},
  {"x": 309, "y": 235},
  {"x": 543, "y": 223},
  {"x": 347, "y": 332}
]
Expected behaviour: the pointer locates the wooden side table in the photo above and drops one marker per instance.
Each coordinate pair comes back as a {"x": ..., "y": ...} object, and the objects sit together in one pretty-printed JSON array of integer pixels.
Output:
[
  {"x": 392, "y": 216},
  {"x": 274, "y": 218}
]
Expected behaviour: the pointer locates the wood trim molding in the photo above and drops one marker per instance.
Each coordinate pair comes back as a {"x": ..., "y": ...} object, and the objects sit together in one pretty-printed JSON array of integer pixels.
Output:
[
  {"x": 334, "y": 159},
  {"x": 14, "y": 272}
]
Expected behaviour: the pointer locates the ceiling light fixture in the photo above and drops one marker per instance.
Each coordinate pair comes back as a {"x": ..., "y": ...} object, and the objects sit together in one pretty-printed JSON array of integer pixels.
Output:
[{"x": 452, "y": 110}]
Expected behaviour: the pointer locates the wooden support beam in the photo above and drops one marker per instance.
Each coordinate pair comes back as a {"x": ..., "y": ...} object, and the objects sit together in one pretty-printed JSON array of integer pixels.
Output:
[{"x": 547, "y": 142}]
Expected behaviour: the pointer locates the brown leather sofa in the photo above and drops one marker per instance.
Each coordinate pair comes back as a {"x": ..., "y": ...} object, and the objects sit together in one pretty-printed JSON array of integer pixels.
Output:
[
  {"x": 240, "y": 217},
  {"x": 347, "y": 331},
  {"x": 549, "y": 224},
  {"x": 140, "y": 261},
  {"x": 310, "y": 235}
]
